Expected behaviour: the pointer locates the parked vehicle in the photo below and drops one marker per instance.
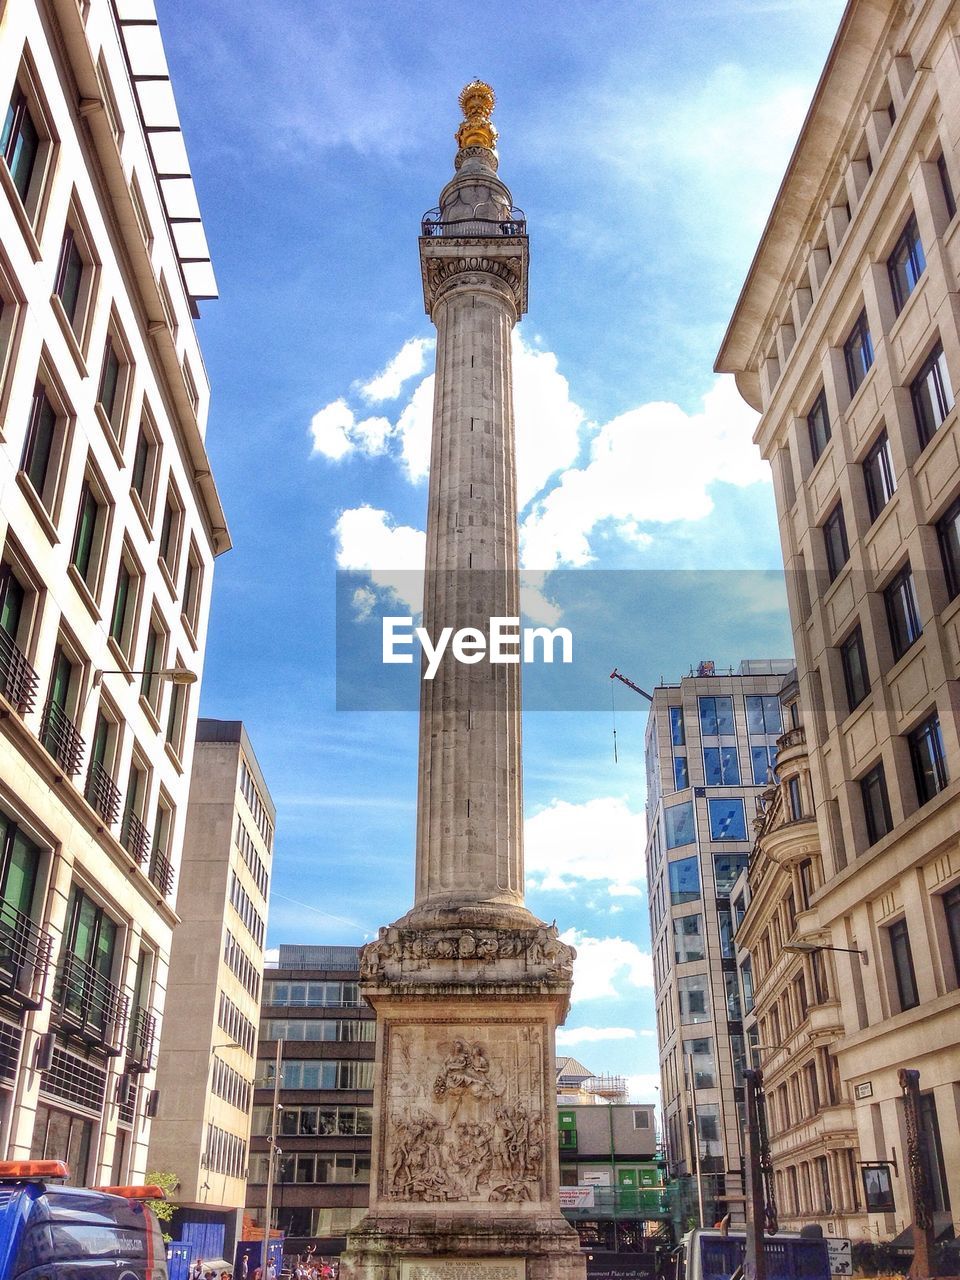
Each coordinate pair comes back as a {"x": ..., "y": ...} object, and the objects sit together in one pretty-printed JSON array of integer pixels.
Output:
[{"x": 718, "y": 1255}]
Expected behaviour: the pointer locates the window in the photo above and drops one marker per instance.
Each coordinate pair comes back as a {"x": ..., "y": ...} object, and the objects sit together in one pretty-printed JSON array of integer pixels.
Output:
[
  {"x": 927, "y": 756},
  {"x": 876, "y": 804},
  {"x": 854, "y": 662},
  {"x": 42, "y": 447},
  {"x": 763, "y": 715},
  {"x": 192, "y": 591},
  {"x": 931, "y": 1154},
  {"x": 123, "y": 620},
  {"x": 153, "y": 655},
  {"x": 878, "y": 476},
  {"x": 951, "y": 912},
  {"x": 716, "y": 716},
  {"x": 20, "y": 143},
  {"x": 728, "y": 820},
  {"x": 726, "y": 868},
  {"x": 700, "y": 1055},
  {"x": 835, "y": 541},
  {"x": 677, "y": 733},
  {"x": 858, "y": 353},
  {"x": 764, "y": 764},
  {"x": 746, "y": 983},
  {"x": 903, "y": 971},
  {"x": 818, "y": 424},
  {"x": 684, "y": 881},
  {"x": 176, "y": 716},
  {"x": 169, "y": 547},
  {"x": 946, "y": 186},
  {"x": 88, "y": 540},
  {"x": 823, "y": 1177},
  {"x": 678, "y": 824},
  {"x": 681, "y": 775},
  {"x": 725, "y": 922},
  {"x": 721, "y": 767},
  {"x": 113, "y": 379},
  {"x": 905, "y": 265},
  {"x": 57, "y": 1135},
  {"x": 58, "y": 733},
  {"x": 932, "y": 394},
  {"x": 90, "y": 946},
  {"x": 69, "y": 276},
  {"x": 19, "y": 872},
  {"x": 796, "y": 799},
  {"x": 688, "y": 938},
  {"x": 694, "y": 996},
  {"x": 143, "y": 471},
  {"x": 903, "y": 615},
  {"x": 948, "y": 534}
]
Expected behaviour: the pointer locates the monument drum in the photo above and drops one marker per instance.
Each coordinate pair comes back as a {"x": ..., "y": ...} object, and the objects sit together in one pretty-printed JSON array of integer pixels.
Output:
[{"x": 468, "y": 986}]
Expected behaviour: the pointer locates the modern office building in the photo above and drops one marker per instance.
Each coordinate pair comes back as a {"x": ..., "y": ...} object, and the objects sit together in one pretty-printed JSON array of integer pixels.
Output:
[
  {"x": 791, "y": 1001},
  {"x": 109, "y": 524},
  {"x": 846, "y": 337},
  {"x": 207, "y": 1059},
  {"x": 710, "y": 743},
  {"x": 321, "y": 1175}
]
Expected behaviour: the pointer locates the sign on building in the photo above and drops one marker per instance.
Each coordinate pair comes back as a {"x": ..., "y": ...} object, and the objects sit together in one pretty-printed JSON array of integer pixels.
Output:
[
  {"x": 841, "y": 1261},
  {"x": 577, "y": 1198}
]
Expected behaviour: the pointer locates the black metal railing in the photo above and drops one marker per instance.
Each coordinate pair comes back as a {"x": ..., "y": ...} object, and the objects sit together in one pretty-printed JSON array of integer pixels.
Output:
[
  {"x": 59, "y": 735},
  {"x": 18, "y": 680},
  {"x": 143, "y": 1034},
  {"x": 89, "y": 1005},
  {"x": 434, "y": 224},
  {"x": 135, "y": 838},
  {"x": 25, "y": 951},
  {"x": 161, "y": 872},
  {"x": 102, "y": 792}
]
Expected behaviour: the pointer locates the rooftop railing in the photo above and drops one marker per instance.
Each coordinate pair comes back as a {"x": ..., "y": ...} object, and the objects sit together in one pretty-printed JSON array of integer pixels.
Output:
[{"x": 434, "y": 224}]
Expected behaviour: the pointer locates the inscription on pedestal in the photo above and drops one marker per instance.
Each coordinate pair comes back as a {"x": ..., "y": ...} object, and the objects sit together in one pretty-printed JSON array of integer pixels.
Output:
[
  {"x": 462, "y": 1269},
  {"x": 463, "y": 1116}
]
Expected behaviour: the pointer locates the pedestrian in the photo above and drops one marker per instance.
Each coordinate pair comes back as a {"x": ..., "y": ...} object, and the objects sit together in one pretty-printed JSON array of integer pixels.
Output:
[
  {"x": 244, "y": 1266},
  {"x": 196, "y": 1271}
]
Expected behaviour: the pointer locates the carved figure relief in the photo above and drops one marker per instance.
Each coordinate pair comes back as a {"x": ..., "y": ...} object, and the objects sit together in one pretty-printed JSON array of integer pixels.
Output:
[
  {"x": 410, "y": 950},
  {"x": 468, "y": 1124}
]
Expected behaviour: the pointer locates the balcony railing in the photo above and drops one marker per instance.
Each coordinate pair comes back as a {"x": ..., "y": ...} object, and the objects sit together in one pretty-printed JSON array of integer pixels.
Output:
[
  {"x": 433, "y": 224},
  {"x": 135, "y": 838},
  {"x": 90, "y": 1005},
  {"x": 59, "y": 735},
  {"x": 161, "y": 872},
  {"x": 792, "y": 738},
  {"x": 25, "y": 953},
  {"x": 143, "y": 1030},
  {"x": 18, "y": 680},
  {"x": 102, "y": 793}
]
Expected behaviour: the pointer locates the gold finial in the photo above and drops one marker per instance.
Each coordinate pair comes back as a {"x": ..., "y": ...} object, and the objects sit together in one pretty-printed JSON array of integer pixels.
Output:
[{"x": 477, "y": 101}]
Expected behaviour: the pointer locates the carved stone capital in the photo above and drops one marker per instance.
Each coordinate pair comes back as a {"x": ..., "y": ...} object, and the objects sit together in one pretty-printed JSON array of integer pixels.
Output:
[
  {"x": 451, "y": 264},
  {"x": 402, "y": 953}
]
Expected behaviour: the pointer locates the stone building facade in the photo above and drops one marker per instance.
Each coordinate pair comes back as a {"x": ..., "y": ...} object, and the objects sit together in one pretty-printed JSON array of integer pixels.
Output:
[
  {"x": 109, "y": 524},
  {"x": 846, "y": 338},
  {"x": 710, "y": 742}
]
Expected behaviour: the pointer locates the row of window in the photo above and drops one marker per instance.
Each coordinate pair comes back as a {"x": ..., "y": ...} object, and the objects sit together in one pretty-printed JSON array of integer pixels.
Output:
[
  {"x": 783, "y": 923},
  {"x": 311, "y": 1168},
  {"x": 241, "y": 966},
  {"x": 254, "y": 863},
  {"x": 231, "y": 1086},
  {"x": 930, "y": 776},
  {"x": 237, "y": 1026},
  {"x": 224, "y": 1153},
  {"x": 717, "y": 718},
  {"x": 318, "y": 1073},
  {"x": 258, "y": 809},
  {"x": 320, "y": 1029},
  {"x": 245, "y": 909},
  {"x": 318, "y": 995},
  {"x": 693, "y": 996},
  {"x": 726, "y": 815},
  {"x": 806, "y": 1189},
  {"x": 311, "y": 1122}
]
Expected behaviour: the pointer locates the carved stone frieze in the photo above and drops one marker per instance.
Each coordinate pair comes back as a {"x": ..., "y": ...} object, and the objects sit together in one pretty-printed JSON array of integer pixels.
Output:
[
  {"x": 441, "y": 271},
  {"x": 464, "y": 1123},
  {"x": 532, "y": 952},
  {"x": 462, "y": 1269}
]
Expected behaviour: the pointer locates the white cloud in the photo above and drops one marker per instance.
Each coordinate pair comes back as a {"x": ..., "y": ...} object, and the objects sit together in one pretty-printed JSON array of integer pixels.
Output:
[
  {"x": 587, "y": 1035},
  {"x": 393, "y": 554},
  {"x": 548, "y": 422},
  {"x": 601, "y": 962},
  {"x": 336, "y": 431},
  {"x": 644, "y": 1087},
  {"x": 413, "y": 431},
  {"x": 654, "y": 463},
  {"x": 406, "y": 364},
  {"x": 601, "y": 840}
]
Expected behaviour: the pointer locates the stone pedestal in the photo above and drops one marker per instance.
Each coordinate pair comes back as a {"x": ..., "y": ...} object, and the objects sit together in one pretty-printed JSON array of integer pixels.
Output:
[{"x": 465, "y": 1172}]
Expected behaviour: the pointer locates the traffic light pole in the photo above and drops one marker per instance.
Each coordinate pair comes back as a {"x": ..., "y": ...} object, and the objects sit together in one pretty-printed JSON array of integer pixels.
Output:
[{"x": 754, "y": 1262}]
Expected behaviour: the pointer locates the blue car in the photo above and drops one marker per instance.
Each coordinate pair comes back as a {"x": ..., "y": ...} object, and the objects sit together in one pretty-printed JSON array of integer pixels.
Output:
[{"x": 53, "y": 1232}]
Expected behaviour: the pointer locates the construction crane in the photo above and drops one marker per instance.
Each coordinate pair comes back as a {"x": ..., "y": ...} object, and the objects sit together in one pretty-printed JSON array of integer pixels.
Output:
[{"x": 618, "y": 675}]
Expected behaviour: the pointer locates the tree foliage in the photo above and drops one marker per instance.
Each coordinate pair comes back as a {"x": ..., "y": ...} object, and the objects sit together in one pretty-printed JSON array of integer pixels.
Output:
[{"x": 164, "y": 1209}]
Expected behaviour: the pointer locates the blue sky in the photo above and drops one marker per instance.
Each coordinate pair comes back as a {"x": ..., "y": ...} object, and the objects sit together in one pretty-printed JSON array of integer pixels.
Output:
[{"x": 645, "y": 141}]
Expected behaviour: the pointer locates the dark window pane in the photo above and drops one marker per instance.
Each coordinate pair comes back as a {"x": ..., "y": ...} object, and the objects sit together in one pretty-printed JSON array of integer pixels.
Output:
[
  {"x": 855, "y": 669},
  {"x": 932, "y": 394},
  {"x": 726, "y": 868},
  {"x": 876, "y": 805},
  {"x": 727, "y": 819},
  {"x": 796, "y": 799},
  {"x": 818, "y": 424},
  {"x": 678, "y": 824},
  {"x": 878, "y": 476},
  {"x": 20, "y": 143},
  {"x": 929, "y": 761},
  {"x": 903, "y": 616},
  {"x": 951, "y": 911},
  {"x": 948, "y": 532},
  {"x": 677, "y": 735},
  {"x": 69, "y": 275},
  {"x": 835, "y": 538},
  {"x": 138, "y": 479},
  {"x": 86, "y": 527},
  {"x": 858, "y": 352},
  {"x": 903, "y": 965},
  {"x": 764, "y": 761},
  {"x": 681, "y": 777},
  {"x": 763, "y": 714},
  {"x": 38, "y": 446},
  {"x": 121, "y": 600},
  {"x": 109, "y": 380},
  {"x": 906, "y": 264},
  {"x": 684, "y": 881},
  {"x": 716, "y": 717},
  {"x": 947, "y": 186}
]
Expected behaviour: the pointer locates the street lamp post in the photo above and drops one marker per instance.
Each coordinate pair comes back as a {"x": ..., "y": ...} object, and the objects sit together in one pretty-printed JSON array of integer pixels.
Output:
[{"x": 271, "y": 1159}]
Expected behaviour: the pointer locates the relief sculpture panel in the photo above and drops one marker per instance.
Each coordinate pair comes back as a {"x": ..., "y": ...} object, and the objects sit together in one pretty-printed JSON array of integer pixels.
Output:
[{"x": 464, "y": 1117}]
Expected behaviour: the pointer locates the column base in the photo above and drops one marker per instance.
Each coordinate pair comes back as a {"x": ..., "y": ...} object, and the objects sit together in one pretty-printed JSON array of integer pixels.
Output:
[{"x": 462, "y": 1246}]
